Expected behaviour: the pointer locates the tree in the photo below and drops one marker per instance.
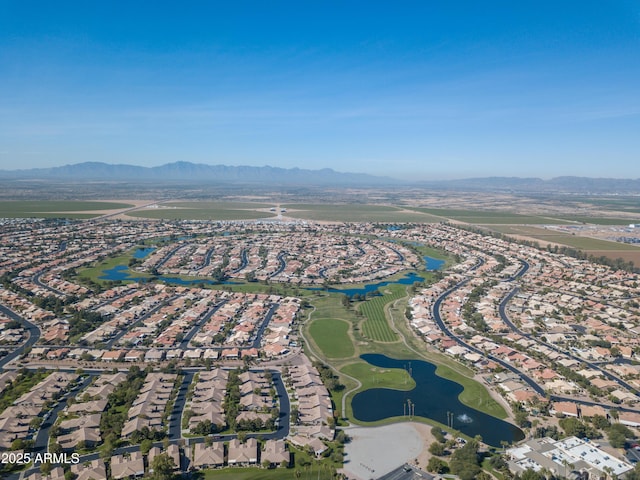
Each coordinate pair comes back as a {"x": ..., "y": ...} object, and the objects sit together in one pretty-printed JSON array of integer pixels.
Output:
[
  {"x": 464, "y": 462},
  {"x": 45, "y": 468},
  {"x": 437, "y": 465},
  {"x": 146, "y": 445},
  {"x": 530, "y": 474},
  {"x": 438, "y": 435},
  {"x": 163, "y": 467},
  {"x": 436, "y": 448}
]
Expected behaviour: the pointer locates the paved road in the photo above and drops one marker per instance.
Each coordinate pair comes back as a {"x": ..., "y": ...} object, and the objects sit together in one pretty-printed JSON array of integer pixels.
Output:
[
  {"x": 257, "y": 339},
  {"x": 460, "y": 341},
  {"x": 42, "y": 438},
  {"x": 32, "y": 329},
  {"x": 36, "y": 280},
  {"x": 244, "y": 261},
  {"x": 175, "y": 437},
  {"x": 123, "y": 331},
  {"x": 175, "y": 419},
  {"x": 505, "y": 318},
  {"x": 187, "y": 338},
  {"x": 281, "y": 266}
]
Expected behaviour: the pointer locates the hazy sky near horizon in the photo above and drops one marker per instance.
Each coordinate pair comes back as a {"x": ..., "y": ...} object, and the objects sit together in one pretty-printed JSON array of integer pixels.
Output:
[{"x": 414, "y": 89}]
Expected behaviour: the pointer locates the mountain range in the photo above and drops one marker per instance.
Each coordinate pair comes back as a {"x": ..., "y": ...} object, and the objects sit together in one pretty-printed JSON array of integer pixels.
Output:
[
  {"x": 186, "y": 171},
  {"x": 201, "y": 173}
]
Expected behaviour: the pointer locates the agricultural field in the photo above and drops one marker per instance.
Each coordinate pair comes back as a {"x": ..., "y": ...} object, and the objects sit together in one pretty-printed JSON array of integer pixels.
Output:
[
  {"x": 204, "y": 211},
  {"x": 58, "y": 209},
  {"x": 489, "y": 217},
  {"x": 332, "y": 337},
  {"x": 356, "y": 213}
]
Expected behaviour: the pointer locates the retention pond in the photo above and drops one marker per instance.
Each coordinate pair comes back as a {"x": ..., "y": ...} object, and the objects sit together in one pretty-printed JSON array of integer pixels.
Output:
[{"x": 433, "y": 397}]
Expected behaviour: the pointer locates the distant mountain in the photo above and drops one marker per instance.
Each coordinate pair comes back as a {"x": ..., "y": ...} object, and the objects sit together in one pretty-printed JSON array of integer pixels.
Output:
[
  {"x": 224, "y": 174},
  {"x": 561, "y": 185},
  {"x": 186, "y": 171}
]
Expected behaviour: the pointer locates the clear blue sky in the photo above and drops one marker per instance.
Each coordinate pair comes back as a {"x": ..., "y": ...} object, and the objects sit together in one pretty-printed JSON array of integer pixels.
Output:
[{"x": 422, "y": 90}]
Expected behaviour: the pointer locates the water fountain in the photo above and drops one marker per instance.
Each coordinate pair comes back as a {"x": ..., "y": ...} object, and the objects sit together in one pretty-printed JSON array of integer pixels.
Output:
[{"x": 464, "y": 418}]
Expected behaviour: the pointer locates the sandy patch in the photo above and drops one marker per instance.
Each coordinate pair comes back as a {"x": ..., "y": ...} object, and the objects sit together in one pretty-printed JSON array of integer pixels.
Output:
[{"x": 375, "y": 451}]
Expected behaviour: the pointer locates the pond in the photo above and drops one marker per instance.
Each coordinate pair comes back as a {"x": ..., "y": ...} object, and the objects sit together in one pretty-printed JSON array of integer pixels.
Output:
[
  {"x": 433, "y": 397},
  {"x": 409, "y": 279},
  {"x": 141, "y": 253},
  {"x": 123, "y": 274}
]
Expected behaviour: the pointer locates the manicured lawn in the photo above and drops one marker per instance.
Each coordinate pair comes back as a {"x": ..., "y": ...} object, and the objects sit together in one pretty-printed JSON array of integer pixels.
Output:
[
  {"x": 376, "y": 377},
  {"x": 474, "y": 394},
  {"x": 250, "y": 474},
  {"x": 332, "y": 337},
  {"x": 376, "y": 326}
]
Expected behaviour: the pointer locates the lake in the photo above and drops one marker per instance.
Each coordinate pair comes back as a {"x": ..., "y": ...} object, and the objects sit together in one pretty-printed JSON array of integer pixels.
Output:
[
  {"x": 433, "y": 397},
  {"x": 143, "y": 252},
  {"x": 122, "y": 273}
]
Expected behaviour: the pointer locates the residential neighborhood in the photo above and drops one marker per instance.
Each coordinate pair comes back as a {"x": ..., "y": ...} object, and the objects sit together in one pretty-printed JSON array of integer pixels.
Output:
[{"x": 222, "y": 377}]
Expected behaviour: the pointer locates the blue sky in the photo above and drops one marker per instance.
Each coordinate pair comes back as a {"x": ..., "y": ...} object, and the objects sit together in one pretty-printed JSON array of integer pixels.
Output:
[{"x": 419, "y": 90}]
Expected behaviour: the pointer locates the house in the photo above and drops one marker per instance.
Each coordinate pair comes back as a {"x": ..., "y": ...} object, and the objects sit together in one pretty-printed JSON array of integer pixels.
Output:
[
  {"x": 127, "y": 466},
  {"x": 275, "y": 452},
  {"x": 243, "y": 453},
  {"x": 207, "y": 457},
  {"x": 92, "y": 470}
]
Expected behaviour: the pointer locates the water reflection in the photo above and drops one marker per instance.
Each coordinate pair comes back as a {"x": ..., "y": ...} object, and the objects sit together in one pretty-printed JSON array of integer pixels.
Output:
[{"x": 433, "y": 397}]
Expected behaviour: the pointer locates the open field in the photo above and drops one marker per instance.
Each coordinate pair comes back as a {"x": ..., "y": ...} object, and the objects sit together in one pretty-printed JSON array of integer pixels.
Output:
[
  {"x": 591, "y": 246},
  {"x": 332, "y": 337},
  {"x": 628, "y": 256},
  {"x": 488, "y": 217},
  {"x": 356, "y": 213},
  {"x": 218, "y": 213},
  {"x": 57, "y": 209},
  {"x": 600, "y": 220},
  {"x": 219, "y": 205}
]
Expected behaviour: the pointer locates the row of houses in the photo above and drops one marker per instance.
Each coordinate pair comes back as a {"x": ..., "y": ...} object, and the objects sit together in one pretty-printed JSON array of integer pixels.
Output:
[
  {"x": 208, "y": 397},
  {"x": 16, "y": 421},
  {"x": 80, "y": 421},
  {"x": 148, "y": 408},
  {"x": 237, "y": 453},
  {"x": 314, "y": 407}
]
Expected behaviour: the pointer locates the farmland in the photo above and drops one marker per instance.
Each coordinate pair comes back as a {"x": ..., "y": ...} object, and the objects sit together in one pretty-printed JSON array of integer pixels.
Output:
[
  {"x": 356, "y": 213},
  {"x": 58, "y": 209}
]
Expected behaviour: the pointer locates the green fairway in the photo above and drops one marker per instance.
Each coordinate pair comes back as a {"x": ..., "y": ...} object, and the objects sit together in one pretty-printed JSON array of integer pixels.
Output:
[
  {"x": 356, "y": 213},
  {"x": 376, "y": 377},
  {"x": 332, "y": 337},
  {"x": 252, "y": 474},
  {"x": 376, "y": 326},
  {"x": 57, "y": 209}
]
